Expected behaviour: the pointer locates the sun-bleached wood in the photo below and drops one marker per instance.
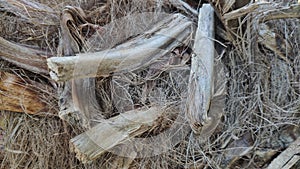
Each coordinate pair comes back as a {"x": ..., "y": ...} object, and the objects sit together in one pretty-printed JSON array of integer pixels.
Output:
[
  {"x": 24, "y": 57},
  {"x": 201, "y": 76},
  {"x": 139, "y": 52},
  {"x": 101, "y": 138}
]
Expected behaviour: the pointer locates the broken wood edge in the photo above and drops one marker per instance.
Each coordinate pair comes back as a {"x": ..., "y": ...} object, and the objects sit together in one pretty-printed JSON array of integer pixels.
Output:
[
  {"x": 103, "y": 137},
  {"x": 55, "y": 63},
  {"x": 201, "y": 77},
  {"x": 165, "y": 36}
]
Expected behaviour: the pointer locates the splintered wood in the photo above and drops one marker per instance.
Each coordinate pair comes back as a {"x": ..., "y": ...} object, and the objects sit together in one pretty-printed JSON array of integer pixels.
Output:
[
  {"x": 149, "y": 68},
  {"x": 72, "y": 42},
  {"x": 201, "y": 76},
  {"x": 165, "y": 36},
  {"x": 108, "y": 134}
]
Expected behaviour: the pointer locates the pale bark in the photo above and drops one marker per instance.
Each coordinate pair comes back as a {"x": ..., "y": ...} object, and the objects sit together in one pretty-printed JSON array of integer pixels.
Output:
[
  {"x": 139, "y": 52},
  {"x": 24, "y": 57},
  {"x": 217, "y": 106},
  {"x": 112, "y": 132},
  {"x": 201, "y": 76}
]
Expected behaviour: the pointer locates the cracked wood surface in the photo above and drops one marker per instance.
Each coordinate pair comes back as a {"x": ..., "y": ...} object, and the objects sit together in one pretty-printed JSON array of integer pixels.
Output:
[{"x": 201, "y": 76}]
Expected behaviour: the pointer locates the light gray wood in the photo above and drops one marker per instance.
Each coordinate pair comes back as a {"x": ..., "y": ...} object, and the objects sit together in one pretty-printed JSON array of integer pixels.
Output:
[
  {"x": 201, "y": 76},
  {"x": 217, "y": 106},
  {"x": 24, "y": 57},
  {"x": 112, "y": 132},
  {"x": 171, "y": 32}
]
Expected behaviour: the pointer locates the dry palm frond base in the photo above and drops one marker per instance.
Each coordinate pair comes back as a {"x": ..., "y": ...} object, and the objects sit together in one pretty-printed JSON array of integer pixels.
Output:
[{"x": 261, "y": 76}]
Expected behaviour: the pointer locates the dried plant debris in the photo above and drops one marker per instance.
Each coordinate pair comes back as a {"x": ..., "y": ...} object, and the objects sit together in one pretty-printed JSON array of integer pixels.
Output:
[{"x": 255, "y": 103}]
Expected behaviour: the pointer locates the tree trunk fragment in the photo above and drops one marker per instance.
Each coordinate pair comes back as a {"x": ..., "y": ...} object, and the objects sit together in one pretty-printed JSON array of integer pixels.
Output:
[
  {"x": 24, "y": 57},
  {"x": 201, "y": 76},
  {"x": 140, "y": 52},
  {"x": 20, "y": 95},
  {"x": 104, "y": 136}
]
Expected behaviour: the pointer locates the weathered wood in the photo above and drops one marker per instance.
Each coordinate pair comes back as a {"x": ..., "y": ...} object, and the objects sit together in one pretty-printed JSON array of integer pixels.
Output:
[
  {"x": 274, "y": 42},
  {"x": 283, "y": 158},
  {"x": 201, "y": 76},
  {"x": 224, "y": 6},
  {"x": 106, "y": 135},
  {"x": 217, "y": 107},
  {"x": 241, "y": 11},
  {"x": 279, "y": 13},
  {"x": 165, "y": 36},
  {"x": 184, "y": 7},
  {"x": 292, "y": 162},
  {"x": 31, "y": 11},
  {"x": 123, "y": 162},
  {"x": 20, "y": 95},
  {"x": 72, "y": 42},
  {"x": 27, "y": 13},
  {"x": 24, "y": 57},
  {"x": 282, "y": 13}
]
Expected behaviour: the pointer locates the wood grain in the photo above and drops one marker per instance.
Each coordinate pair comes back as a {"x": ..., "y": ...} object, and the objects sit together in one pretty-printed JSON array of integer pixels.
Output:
[
  {"x": 19, "y": 95},
  {"x": 24, "y": 57}
]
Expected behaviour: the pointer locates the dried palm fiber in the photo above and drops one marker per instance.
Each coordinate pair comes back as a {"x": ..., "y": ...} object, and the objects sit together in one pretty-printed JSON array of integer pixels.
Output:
[
  {"x": 34, "y": 23},
  {"x": 163, "y": 96},
  {"x": 244, "y": 118},
  {"x": 30, "y": 23},
  {"x": 32, "y": 161},
  {"x": 73, "y": 21},
  {"x": 134, "y": 83},
  {"x": 251, "y": 103},
  {"x": 166, "y": 95},
  {"x": 255, "y": 105},
  {"x": 120, "y": 76},
  {"x": 35, "y": 142}
]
